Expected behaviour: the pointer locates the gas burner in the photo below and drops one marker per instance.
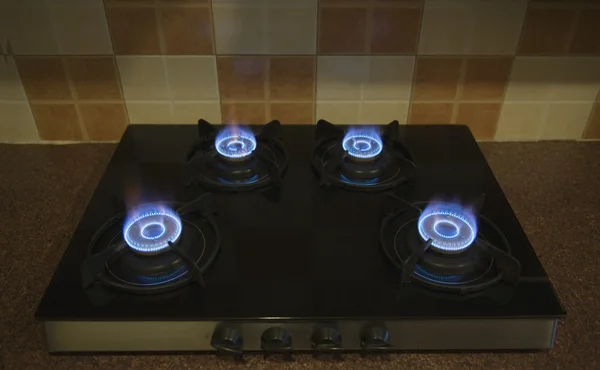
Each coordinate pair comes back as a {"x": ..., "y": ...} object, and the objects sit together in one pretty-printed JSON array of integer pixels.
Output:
[
  {"x": 153, "y": 249},
  {"x": 233, "y": 159},
  {"x": 361, "y": 158},
  {"x": 445, "y": 246}
]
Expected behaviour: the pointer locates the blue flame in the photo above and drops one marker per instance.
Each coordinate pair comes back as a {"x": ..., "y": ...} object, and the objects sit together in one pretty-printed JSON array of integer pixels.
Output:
[
  {"x": 150, "y": 228},
  {"x": 363, "y": 142},
  {"x": 363, "y": 182},
  {"x": 446, "y": 279},
  {"x": 235, "y": 142},
  {"x": 451, "y": 226}
]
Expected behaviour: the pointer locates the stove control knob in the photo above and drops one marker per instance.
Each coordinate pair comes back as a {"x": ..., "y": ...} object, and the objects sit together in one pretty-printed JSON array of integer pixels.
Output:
[
  {"x": 375, "y": 338},
  {"x": 327, "y": 339},
  {"x": 227, "y": 341},
  {"x": 276, "y": 339}
]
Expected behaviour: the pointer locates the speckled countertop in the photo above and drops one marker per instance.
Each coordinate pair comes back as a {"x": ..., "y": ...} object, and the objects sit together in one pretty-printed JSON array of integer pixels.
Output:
[{"x": 554, "y": 188}]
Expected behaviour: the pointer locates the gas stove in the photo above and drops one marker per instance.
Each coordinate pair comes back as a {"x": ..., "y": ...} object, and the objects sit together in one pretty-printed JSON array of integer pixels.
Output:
[{"x": 281, "y": 239}]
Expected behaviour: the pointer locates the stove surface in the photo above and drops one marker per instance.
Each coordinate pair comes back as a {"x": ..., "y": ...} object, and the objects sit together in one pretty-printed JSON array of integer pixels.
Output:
[{"x": 300, "y": 251}]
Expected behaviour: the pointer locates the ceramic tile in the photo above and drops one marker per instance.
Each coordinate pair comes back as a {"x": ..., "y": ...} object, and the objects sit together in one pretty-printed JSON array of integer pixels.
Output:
[
  {"x": 342, "y": 113},
  {"x": 586, "y": 39},
  {"x": 186, "y": 30},
  {"x": 30, "y": 28},
  {"x": 546, "y": 31},
  {"x": 191, "y": 112},
  {"x": 16, "y": 123},
  {"x": 103, "y": 122},
  {"x": 192, "y": 77},
  {"x": 577, "y": 79},
  {"x": 395, "y": 30},
  {"x": 532, "y": 79},
  {"x": 11, "y": 87},
  {"x": 390, "y": 78},
  {"x": 81, "y": 27},
  {"x": 244, "y": 113},
  {"x": 294, "y": 113},
  {"x": 292, "y": 78},
  {"x": 342, "y": 30},
  {"x": 341, "y": 77},
  {"x": 566, "y": 121},
  {"x": 482, "y": 119},
  {"x": 382, "y": 113},
  {"x": 149, "y": 112},
  {"x": 430, "y": 113},
  {"x": 436, "y": 78},
  {"x": 57, "y": 122},
  {"x": 134, "y": 30},
  {"x": 143, "y": 77},
  {"x": 520, "y": 121},
  {"x": 94, "y": 77},
  {"x": 239, "y": 29},
  {"x": 486, "y": 78},
  {"x": 496, "y": 27},
  {"x": 44, "y": 78},
  {"x": 445, "y": 28},
  {"x": 297, "y": 24},
  {"x": 242, "y": 78},
  {"x": 592, "y": 130}
]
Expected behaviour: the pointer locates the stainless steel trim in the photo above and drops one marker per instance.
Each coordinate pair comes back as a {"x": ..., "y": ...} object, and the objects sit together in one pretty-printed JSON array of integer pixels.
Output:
[{"x": 458, "y": 334}]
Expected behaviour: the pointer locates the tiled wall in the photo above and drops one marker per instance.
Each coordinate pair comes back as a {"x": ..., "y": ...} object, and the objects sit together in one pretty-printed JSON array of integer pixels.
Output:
[{"x": 81, "y": 70}]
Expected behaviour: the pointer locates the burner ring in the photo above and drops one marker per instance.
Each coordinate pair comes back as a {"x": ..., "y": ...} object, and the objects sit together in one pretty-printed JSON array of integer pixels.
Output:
[
  {"x": 150, "y": 231},
  {"x": 362, "y": 146},
  {"x": 235, "y": 145},
  {"x": 451, "y": 232}
]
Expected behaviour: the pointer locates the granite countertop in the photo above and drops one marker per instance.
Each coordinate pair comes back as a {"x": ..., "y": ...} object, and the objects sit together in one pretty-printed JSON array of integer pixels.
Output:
[{"x": 554, "y": 188}]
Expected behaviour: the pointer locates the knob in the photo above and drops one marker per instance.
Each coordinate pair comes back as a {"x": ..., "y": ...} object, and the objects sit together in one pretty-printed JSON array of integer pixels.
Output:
[
  {"x": 227, "y": 341},
  {"x": 327, "y": 338},
  {"x": 276, "y": 339},
  {"x": 375, "y": 338}
]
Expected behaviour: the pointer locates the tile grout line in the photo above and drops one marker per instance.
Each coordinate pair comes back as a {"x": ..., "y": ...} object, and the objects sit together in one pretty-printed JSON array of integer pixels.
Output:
[
  {"x": 76, "y": 101},
  {"x": 316, "y": 61},
  {"x": 267, "y": 87},
  {"x": 513, "y": 59},
  {"x": 162, "y": 42},
  {"x": 459, "y": 89}
]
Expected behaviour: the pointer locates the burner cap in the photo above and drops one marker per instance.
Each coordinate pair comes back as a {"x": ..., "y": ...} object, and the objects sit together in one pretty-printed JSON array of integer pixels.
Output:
[
  {"x": 235, "y": 143},
  {"x": 150, "y": 228},
  {"x": 362, "y": 144},
  {"x": 451, "y": 228}
]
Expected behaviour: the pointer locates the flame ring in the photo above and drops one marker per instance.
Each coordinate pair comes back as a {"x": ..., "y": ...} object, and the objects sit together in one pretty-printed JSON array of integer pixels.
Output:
[
  {"x": 460, "y": 233},
  {"x": 235, "y": 145},
  {"x": 362, "y": 145},
  {"x": 136, "y": 229}
]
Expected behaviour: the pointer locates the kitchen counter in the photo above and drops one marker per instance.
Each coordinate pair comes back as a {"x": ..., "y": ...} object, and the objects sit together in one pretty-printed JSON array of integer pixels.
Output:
[{"x": 554, "y": 188}]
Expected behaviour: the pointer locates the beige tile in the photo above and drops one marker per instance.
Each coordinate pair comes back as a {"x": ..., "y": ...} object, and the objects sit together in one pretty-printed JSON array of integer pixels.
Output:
[
  {"x": 244, "y": 113},
  {"x": 482, "y": 119},
  {"x": 143, "y": 77},
  {"x": 94, "y": 77},
  {"x": 532, "y": 79},
  {"x": 592, "y": 130},
  {"x": 383, "y": 112},
  {"x": 520, "y": 121},
  {"x": 239, "y": 29},
  {"x": 546, "y": 31},
  {"x": 486, "y": 78},
  {"x": 298, "y": 24},
  {"x": 44, "y": 78},
  {"x": 134, "y": 30},
  {"x": 339, "y": 113},
  {"x": 81, "y": 27},
  {"x": 586, "y": 39},
  {"x": 16, "y": 123},
  {"x": 191, "y": 112},
  {"x": 390, "y": 78},
  {"x": 566, "y": 121},
  {"x": 445, "y": 28},
  {"x": 577, "y": 79},
  {"x": 496, "y": 26},
  {"x": 149, "y": 112},
  {"x": 192, "y": 77},
  {"x": 186, "y": 30},
  {"x": 437, "y": 78},
  {"x": 103, "y": 122},
  {"x": 293, "y": 113},
  {"x": 430, "y": 113},
  {"x": 242, "y": 78},
  {"x": 11, "y": 87},
  {"x": 57, "y": 122},
  {"x": 342, "y": 30},
  {"x": 292, "y": 78},
  {"x": 341, "y": 77},
  {"x": 29, "y": 28},
  {"x": 395, "y": 30}
]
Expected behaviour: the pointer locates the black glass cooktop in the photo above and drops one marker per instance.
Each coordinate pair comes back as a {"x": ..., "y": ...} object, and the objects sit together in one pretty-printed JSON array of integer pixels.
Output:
[{"x": 297, "y": 250}]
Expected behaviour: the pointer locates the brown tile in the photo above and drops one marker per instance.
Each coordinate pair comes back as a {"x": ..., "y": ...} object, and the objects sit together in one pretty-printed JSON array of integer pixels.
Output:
[
  {"x": 294, "y": 113},
  {"x": 436, "y": 78},
  {"x": 44, "y": 78},
  {"x": 292, "y": 78},
  {"x": 94, "y": 77},
  {"x": 244, "y": 113},
  {"x": 187, "y": 30},
  {"x": 103, "y": 122},
  {"x": 342, "y": 30},
  {"x": 430, "y": 113},
  {"x": 486, "y": 78},
  {"x": 57, "y": 121},
  {"x": 546, "y": 31},
  {"x": 587, "y": 33},
  {"x": 242, "y": 78},
  {"x": 593, "y": 126},
  {"x": 481, "y": 118},
  {"x": 395, "y": 30},
  {"x": 134, "y": 30},
  {"x": 144, "y": 2}
]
